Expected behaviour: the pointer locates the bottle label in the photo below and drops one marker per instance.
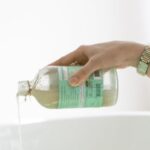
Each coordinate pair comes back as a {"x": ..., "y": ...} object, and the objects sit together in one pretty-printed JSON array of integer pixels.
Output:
[{"x": 89, "y": 94}]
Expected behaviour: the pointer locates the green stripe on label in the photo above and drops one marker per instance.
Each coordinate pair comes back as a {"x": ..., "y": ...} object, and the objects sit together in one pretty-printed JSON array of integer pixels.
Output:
[{"x": 89, "y": 94}]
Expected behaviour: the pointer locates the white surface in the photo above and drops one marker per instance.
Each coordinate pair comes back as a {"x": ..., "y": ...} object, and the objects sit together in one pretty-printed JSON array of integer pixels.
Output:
[{"x": 106, "y": 131}]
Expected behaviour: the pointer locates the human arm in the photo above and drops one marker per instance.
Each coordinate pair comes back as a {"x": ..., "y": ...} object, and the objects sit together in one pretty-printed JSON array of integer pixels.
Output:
[{"x": 114, "y": 54}]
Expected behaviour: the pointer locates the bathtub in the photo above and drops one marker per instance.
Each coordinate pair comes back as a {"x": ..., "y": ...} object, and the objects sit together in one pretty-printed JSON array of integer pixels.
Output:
[
  {"x": 88, "y": 129},
  {"x": 125, "y": 126}
]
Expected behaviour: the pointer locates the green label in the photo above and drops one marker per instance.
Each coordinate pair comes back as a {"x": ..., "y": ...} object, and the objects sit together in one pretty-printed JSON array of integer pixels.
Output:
[{"x": 89, "y": 94}]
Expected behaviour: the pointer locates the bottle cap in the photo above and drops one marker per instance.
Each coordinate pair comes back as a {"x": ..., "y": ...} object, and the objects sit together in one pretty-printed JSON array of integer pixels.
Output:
[{"x": 23, "y": 88}]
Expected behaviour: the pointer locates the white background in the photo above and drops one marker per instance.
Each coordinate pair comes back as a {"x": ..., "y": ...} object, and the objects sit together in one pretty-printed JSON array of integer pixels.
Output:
[{"x": 34, "y": 33}]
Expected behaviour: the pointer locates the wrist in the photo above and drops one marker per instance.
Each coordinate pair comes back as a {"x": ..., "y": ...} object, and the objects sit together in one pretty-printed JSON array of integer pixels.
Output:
[
  {"x": 144, "y": 62},
  {"x": 138, "y": 50},
  {"x": 133, "y": 52}
]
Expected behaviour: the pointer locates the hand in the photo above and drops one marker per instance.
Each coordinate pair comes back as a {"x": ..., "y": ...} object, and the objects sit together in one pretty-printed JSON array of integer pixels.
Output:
[{"x": 115, "y": 54}]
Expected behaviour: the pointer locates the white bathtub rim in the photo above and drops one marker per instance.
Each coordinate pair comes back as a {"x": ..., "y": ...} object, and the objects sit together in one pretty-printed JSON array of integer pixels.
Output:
[{"x": 101, "y": 114}]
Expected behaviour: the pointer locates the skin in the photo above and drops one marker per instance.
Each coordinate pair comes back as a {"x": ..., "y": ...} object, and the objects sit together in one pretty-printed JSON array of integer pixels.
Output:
[{"x": 114, "y": 54}]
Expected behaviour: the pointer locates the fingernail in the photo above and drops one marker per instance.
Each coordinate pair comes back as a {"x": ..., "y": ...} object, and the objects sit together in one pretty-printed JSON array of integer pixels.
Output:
[{"x": 74, "y": 81}]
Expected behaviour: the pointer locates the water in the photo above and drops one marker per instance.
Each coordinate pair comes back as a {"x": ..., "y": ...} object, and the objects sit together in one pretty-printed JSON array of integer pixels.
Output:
[{"x": 19, "y": 126}]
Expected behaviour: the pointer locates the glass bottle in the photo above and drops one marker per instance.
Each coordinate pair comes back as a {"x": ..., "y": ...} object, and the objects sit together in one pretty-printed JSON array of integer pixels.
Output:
[{"x": 52, "y": 90}]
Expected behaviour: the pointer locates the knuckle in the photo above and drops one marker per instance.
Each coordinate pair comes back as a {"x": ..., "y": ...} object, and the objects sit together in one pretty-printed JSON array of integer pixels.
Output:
[
  {"x": 92, "y": 61},
  {"x": 82, "y": 47},
  {"x": 61, "y": 60},
  {"x": 115, "y": 41}
]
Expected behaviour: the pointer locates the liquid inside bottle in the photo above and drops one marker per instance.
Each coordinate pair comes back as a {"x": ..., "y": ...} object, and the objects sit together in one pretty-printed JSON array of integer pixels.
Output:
[{"x": 52, "y": 89}]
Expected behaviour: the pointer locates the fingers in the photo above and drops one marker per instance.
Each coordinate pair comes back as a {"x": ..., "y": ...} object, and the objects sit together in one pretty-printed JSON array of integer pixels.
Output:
[
  {"x": 66, "y": 60},
  {"x": 82, "y": 74},
  {"x": 95, "y": 63}
]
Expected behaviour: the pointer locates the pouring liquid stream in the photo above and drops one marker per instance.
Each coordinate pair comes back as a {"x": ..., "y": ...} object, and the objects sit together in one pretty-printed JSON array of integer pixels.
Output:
[{"x": 19, "y": 125}]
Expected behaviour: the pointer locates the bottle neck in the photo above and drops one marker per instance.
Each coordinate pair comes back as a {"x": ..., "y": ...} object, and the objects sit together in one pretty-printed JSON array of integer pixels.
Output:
[{"x": 23, "y": 88}]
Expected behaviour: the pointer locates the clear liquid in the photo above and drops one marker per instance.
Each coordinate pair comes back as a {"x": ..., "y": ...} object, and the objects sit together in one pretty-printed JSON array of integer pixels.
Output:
[{"x": 19, "y": 126}]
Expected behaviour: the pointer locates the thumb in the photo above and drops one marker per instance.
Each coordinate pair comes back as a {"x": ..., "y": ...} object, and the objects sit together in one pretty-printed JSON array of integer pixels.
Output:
[{"x": 81, "y": 75}]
